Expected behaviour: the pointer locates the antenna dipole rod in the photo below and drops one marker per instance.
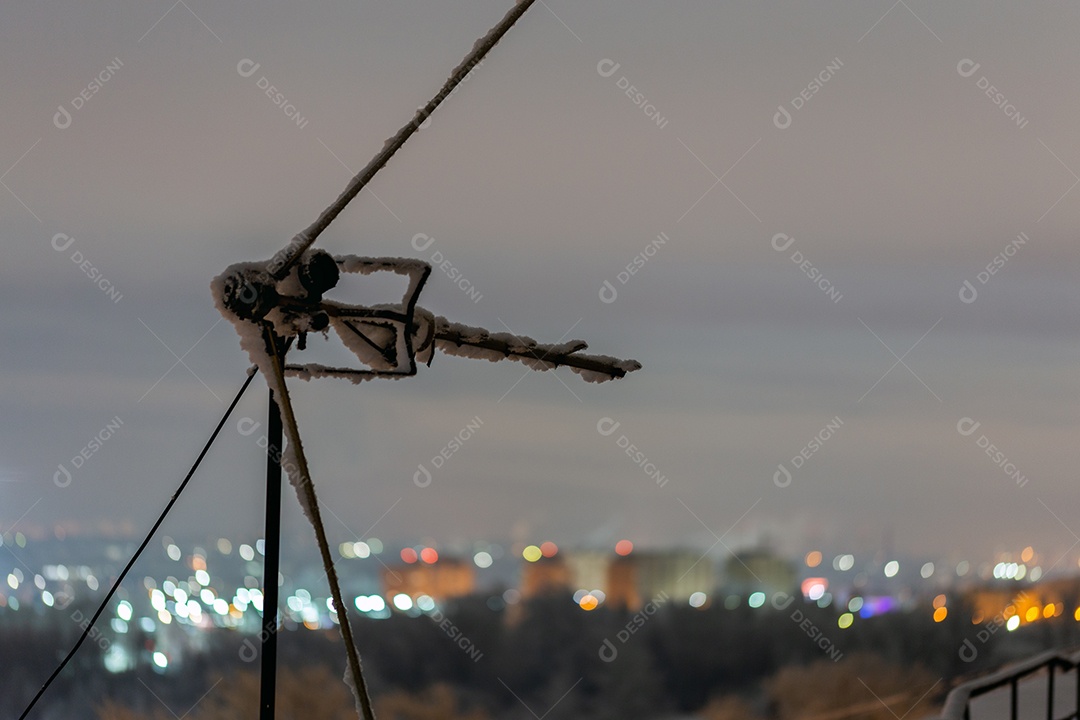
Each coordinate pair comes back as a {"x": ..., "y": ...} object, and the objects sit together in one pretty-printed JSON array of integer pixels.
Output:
[{"x": 288, "y": 256}]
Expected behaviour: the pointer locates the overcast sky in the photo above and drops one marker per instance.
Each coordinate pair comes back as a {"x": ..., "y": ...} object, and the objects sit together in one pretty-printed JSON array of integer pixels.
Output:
[{"x": 861, "y": 131}]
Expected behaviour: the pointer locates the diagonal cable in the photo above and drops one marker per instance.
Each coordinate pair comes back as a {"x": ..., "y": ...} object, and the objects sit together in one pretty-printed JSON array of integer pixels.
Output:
[{"x": 161, "y": 518}]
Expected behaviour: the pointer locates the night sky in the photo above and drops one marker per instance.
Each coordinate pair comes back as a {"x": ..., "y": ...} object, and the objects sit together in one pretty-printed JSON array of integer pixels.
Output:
[{"x": 892, "y": 153}]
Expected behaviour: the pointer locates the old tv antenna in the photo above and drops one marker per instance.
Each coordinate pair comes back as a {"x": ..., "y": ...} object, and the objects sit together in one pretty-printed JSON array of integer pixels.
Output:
[{"x": 274, "y": 304}]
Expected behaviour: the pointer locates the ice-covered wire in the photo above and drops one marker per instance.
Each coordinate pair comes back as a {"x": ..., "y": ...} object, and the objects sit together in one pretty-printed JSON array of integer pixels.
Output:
[
  {"x": 288, "y": 256},
  {"x": 161, "y": 518},
  {"x": 315, "y": 516}
]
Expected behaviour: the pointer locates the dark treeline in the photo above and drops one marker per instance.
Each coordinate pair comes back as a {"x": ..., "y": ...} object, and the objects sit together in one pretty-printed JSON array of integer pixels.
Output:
[{"x": 513, "y": 663}]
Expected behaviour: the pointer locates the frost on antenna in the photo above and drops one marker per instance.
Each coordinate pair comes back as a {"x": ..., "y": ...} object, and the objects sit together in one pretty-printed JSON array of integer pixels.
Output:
[
  {"x": 387, "y": 339},
  {"x": 276, "y": 303}
]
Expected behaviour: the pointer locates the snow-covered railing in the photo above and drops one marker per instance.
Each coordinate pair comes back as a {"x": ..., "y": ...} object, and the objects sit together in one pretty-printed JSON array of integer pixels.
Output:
[{"x": 1053, "y": 663}]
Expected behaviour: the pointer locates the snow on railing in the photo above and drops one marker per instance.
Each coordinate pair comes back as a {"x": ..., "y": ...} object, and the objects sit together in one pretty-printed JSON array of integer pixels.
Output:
[{"x": 958, "y": 702}]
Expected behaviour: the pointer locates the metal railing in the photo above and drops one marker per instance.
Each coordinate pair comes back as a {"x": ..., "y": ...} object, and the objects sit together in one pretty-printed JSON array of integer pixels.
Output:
[{"x": 1053, "y": 663}]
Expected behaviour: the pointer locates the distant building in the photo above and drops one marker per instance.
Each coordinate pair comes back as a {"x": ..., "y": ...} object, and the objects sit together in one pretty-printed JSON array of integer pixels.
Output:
[
  {"x": 678, "y": 573},
  {"x": 444, "y": 579},
  {"x": 588, "y": 569},
  {"x": 621, "y": 588},
  {"x": 626, "y": 581},
  {"x": 545, "y": 576},
  {"x": 758, "y": 570},
  {"x": 997, "y": 603}
]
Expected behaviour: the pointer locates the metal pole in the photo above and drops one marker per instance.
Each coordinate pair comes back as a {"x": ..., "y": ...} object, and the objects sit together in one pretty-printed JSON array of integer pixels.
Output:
[
  {"x": 272, "y": 548},
  {"x": 1050, "y": 693}
]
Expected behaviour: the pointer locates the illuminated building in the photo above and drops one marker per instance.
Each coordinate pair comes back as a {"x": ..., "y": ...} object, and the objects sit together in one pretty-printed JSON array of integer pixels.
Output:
[
  {"x": 631, "y": 579},
  {"x": 441, "y": 580},
  {"x": 678, "y": 573},
  {"x": 759, "y": 570},
  {"x": 545, "y": 575}
]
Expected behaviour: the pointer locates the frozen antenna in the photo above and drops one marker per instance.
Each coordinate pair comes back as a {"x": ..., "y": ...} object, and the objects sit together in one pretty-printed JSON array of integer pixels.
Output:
[
  {"x": 276, "y": 302},
  {"x": 388, "y": 339}
]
